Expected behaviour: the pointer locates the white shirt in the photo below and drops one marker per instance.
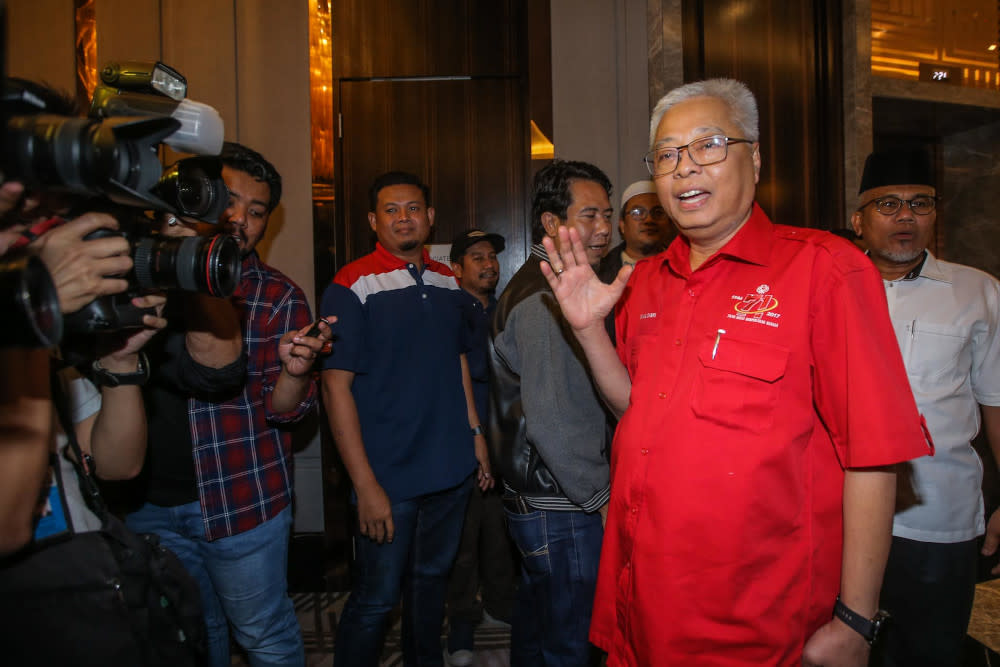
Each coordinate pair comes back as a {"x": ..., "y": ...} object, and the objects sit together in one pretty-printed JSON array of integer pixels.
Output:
[{"x": 946, "y": 322}]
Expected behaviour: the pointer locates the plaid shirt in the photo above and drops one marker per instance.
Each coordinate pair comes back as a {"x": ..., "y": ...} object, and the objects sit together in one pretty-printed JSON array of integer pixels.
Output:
[{"x": 242, "y": 447}]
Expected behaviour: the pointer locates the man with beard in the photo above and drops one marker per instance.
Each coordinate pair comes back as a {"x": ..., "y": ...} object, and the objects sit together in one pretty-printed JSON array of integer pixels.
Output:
[
  {"x": 946, "y": 317},
  {"x": 484, "y": 565},
  {"x": 399, "y": 399},
  {"x": 219, "y": 473},
  {"x": 645, "y": 229}
]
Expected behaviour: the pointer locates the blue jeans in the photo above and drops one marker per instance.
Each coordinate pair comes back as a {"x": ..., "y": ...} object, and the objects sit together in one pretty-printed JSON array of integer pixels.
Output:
[
  {"x": 416, "y": 563},
  {"x": 559, "y": 555},
  {"x": 243, "y": 578}
]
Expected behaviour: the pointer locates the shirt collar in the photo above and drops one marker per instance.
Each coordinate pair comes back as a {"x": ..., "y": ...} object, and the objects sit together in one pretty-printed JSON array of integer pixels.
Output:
[
  {"x": 538, "y": 250},
  {"x": 251, "y": 264},
  {"x": 933, "y": 269},
  {"x": 391, "y": 262},
  {"x": 751, "y": 243}
]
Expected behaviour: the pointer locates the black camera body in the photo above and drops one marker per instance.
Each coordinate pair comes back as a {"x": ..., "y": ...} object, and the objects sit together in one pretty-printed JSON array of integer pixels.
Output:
[
  {"x": 110, "y": 162},
  {"x": 206, "y": 264}
]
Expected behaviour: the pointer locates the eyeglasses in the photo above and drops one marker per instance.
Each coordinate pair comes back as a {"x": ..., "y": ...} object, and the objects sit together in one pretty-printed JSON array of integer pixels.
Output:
[
  {"x": 640, "y": 213},
  {"x": 709, "y": 150},
  {"x": 921, "y": 204}
]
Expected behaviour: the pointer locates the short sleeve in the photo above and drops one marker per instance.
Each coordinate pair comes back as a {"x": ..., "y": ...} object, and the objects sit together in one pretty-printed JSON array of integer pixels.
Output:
[
  {"x": 860, "y": 384},
  {"x": 349, "y": 331},
  {"x": 986, "y": 348},
  {"x": 84, "y": 397}
]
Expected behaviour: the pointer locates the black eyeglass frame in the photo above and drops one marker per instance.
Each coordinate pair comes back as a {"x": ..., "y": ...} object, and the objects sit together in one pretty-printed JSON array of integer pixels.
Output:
[
  {"x": 649, "y": 157},
  {"x": 878, "y": 201}
]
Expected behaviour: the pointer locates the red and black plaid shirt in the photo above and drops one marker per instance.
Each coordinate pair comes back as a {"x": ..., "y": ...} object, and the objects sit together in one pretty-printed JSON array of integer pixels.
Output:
[{"x": 242, "y": 447}]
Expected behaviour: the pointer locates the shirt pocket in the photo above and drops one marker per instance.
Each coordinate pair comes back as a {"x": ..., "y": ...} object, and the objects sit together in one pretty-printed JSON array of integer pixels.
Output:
[
  {"x": 934, "y": 350},
  {"x": 737, "y": 384}
]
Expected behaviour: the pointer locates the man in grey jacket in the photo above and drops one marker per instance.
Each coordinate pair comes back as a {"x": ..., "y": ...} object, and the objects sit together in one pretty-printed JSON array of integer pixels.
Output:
[{"x": 549, "y": 431}]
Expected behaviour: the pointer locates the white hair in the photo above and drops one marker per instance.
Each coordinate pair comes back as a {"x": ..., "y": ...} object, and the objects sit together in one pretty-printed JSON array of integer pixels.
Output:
[{"x": 734, "y": 93}]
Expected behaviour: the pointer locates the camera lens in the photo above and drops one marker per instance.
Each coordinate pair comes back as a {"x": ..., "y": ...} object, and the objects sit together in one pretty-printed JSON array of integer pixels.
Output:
[
  {"x": 210, "y": 265},
  {"x": 194, "y": 187},
  {"x": 28, "y": 295}
]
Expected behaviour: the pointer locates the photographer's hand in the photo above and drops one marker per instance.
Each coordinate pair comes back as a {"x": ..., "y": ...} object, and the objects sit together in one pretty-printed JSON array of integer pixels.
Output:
[
  {"x": 10, "y": 196},
  {"x": 116, "y": 436},
  {"x": 122, "y": 352},
  {"x": 214, "y": 337},
  {"x": 84, "y": 270}
]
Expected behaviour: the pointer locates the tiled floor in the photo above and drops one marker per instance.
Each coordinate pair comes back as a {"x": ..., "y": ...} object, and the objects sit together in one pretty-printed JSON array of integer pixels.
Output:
[{"x": 318, "y": 613}]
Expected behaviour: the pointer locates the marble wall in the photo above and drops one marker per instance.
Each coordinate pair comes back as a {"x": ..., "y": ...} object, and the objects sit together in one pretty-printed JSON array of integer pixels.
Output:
[{"x": 969, "y": 223}]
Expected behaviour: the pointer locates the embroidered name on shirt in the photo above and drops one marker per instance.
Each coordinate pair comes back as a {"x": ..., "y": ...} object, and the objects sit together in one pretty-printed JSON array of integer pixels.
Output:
[
  {"x": 757, "y": 307},
  {"x": 647, "y": 316}
]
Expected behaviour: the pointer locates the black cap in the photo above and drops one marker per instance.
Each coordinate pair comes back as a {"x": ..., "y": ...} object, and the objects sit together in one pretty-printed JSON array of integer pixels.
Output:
[
  {"x": 899, "y": 167},
  {"x": 472, "y": 237}
]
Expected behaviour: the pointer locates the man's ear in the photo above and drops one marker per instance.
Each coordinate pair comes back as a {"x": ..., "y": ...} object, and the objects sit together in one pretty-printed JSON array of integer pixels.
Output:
[
  {"x": 430, "y": 215},
  {"x": 371, "y": 219},
  {"x": 621, "y": 228},
  {"x": 755, "y": 154},
  {"x": 550, "y": 222},
  {"x": 456, "y": 268},
  {"x": 856, "y": 223}
]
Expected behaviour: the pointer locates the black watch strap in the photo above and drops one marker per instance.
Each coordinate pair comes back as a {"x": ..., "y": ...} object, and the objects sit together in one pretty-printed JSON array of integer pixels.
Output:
[
  {"x": 867, "y": 628},
  {"x": 105, "y": 378}
]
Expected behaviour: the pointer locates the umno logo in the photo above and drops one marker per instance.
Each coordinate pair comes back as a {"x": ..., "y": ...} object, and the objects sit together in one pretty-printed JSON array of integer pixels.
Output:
[{"x": 757, "y": 302}]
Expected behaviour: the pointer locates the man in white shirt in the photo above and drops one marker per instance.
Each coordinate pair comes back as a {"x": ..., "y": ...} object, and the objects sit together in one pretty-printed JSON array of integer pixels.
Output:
[{"x": 946, "y": 321}]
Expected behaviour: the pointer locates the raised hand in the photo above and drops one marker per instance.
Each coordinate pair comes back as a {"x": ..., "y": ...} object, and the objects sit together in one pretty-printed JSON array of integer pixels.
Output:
[{"x": 584, "y": 299}]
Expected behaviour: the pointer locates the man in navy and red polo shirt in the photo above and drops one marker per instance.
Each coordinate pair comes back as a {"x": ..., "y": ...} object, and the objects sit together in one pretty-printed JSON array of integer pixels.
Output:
[
  {"x": 399, "y": 398},
  {"x": 220, "y": 453},
  {"x": 764, "y": 405}
]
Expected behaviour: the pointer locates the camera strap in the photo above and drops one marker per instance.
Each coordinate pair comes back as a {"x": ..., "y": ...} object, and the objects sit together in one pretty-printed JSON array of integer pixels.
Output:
[
  {"x": 88, "y": 485},
  {"x": 36, "y": 230}
]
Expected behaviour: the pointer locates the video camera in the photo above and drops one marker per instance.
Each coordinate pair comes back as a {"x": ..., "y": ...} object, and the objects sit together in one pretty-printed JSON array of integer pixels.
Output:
[{"x": 109, "y": 162}]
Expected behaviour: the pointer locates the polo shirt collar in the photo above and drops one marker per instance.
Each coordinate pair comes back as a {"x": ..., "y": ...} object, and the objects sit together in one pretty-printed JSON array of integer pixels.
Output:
[
  {"x": 752, "y": 244},
  {"x": 390, "y": 262}
]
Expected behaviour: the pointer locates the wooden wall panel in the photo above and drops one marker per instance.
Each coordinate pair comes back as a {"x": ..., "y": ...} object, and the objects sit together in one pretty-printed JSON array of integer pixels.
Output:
[
  {"x": 40, "y": 42},
  {"x": 128, "y": 30},
  {"x": 378, "y": 38},
  {"x": 273, "y": 108},
  {"x": 199, "y": 40},
  {"x": 789, "y": 56}
]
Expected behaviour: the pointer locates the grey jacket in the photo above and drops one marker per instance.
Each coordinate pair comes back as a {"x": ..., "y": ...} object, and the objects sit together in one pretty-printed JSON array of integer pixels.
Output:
[{"x": 548, "y": 429}]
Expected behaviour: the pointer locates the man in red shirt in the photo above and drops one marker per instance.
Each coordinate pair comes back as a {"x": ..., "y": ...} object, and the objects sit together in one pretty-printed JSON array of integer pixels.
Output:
[{"x": 762, "y": 411}]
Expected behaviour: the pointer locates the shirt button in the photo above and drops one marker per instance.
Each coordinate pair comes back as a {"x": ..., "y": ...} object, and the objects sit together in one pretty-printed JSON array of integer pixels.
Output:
[
  {"x": 423, "y": 296},
  {"x": 635, "y": 510},
  {"x": 644, "y": 451},
  {"x": 677, "y": 342},
  {"x": 661, "y": 395},
  {"x": 691, "y": 292}
]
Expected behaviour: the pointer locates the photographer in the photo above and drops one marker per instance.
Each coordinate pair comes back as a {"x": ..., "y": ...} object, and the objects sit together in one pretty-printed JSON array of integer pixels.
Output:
[
  {"x": 76, "y": 587},
  {"x": 79, "y": 271},
  {"x": 219, "y": 485}
]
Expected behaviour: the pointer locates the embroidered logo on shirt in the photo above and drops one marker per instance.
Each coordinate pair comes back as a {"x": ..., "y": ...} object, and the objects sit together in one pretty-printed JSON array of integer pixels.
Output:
[
  {"x": 647, "y": 316},
  {"x": 758, "y": 306}
]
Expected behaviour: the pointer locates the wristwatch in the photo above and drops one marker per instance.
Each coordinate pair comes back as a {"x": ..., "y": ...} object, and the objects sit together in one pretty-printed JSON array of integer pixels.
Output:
[
  {"x": 867, "y": 628},
  {"x": 105, "y": 378}
]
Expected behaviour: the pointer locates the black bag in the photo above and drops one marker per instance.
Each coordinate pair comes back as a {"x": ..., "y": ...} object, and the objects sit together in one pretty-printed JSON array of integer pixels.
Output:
[{"x": 108, "y": 598}]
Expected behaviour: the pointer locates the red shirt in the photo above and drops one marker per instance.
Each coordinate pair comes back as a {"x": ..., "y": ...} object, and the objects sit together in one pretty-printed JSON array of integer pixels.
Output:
[{"x": 756, "y": 380}]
